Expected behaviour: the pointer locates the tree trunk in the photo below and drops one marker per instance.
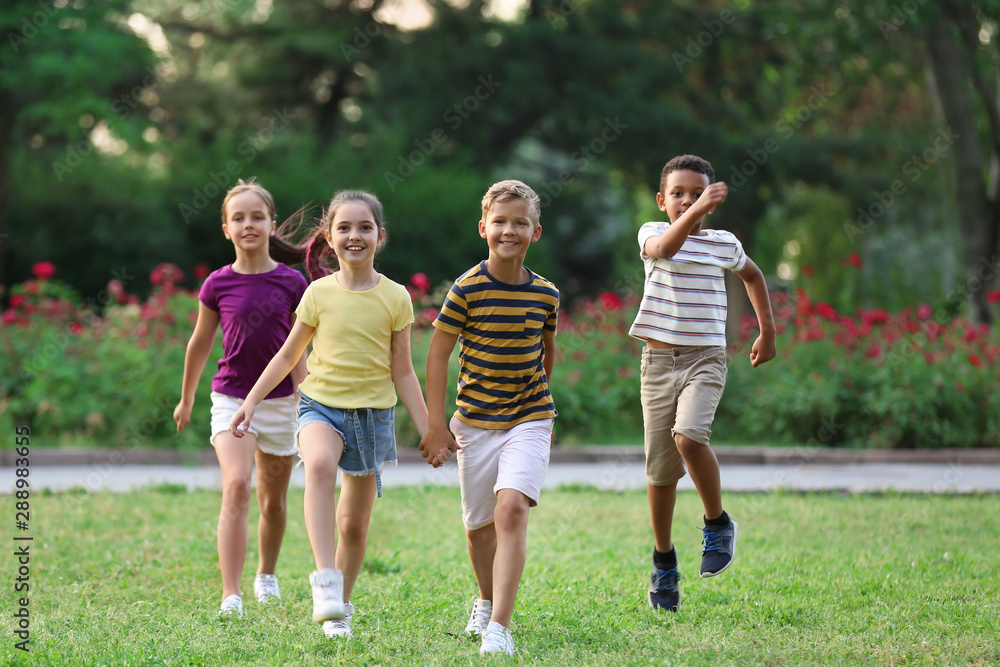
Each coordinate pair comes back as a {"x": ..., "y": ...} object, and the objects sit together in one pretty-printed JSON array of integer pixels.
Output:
[{"x": 978, "y": 221}]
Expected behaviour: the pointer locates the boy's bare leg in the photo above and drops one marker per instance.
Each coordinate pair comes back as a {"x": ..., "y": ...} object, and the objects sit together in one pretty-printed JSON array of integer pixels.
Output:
[
  {"x": 273, "y": 473},
  {"x": 661, "y": 510},
  {"x": 354, "y": 513},
  {"x": 321, "y": 450},
  {"x": 511, "y": 521},
  {"x": 236, "y": 462},
  {"x": 704, "y": 470},
  {"x": 482, "y": 543}
]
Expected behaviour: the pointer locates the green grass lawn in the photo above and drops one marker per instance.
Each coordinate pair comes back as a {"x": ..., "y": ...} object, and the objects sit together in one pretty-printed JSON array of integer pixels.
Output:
[{"x": 820, "y": 579}]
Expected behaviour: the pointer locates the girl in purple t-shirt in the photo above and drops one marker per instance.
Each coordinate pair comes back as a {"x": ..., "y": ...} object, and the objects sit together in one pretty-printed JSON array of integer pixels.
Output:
[{"x": 254, "y": 300}]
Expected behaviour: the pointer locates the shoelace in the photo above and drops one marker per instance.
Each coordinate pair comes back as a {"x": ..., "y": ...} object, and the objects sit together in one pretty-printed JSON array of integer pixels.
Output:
[
  {"x": 712, "y": 540},
  {"x": 268, "y": 589},
  {"x": 667, "y": 578},
  {"x": 230, "y": 604},
  {"x": 481, "y": 616}
]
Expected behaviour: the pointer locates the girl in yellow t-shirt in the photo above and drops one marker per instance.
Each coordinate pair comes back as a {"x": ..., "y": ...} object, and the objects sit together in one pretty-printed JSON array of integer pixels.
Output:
[{"x": 359, "y": 322}]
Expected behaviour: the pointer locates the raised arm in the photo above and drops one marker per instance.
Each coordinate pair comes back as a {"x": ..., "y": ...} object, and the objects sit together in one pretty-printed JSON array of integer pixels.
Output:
[
  {"x": 670, "y": 241},
  {"x": 763, "y": 349},
  {"x": 283, "y": 362},
  {"x": 405, "y": 379},
  {"x": 437, "y": 445},
  {"x": 198, "y": 349}
]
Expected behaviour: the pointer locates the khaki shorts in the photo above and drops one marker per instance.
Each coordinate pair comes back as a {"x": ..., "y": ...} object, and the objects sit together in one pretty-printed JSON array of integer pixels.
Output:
[{"x": 680, "y": 389}]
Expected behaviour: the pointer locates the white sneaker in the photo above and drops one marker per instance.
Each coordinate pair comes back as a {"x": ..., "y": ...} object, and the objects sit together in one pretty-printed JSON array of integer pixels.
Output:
[
  {"x": 342, "y": 627},
  {"x": 232, "y": 607},
  {"x": 481, "y": 612},
  {"x": 265, "y": 588},
  {"x": 497, "y": 639},
  {"x": 328, "y": 595}
]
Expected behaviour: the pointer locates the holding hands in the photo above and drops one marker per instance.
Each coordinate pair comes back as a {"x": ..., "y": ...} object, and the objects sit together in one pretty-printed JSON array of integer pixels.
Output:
[{"x": 437, "y": 446}]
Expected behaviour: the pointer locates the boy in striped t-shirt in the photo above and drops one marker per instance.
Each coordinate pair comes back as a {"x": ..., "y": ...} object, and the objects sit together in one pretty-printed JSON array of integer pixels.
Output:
[
  {"x": 504, "y": 318},
  {"x": 682, "y": 318}
]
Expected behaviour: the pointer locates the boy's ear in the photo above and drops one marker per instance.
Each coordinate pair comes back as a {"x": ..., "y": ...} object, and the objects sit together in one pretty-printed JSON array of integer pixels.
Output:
[
  {"x": 482, "y": 228},
  {"x": 537, "y": 232},
  {"x": 661, "y": 201}
]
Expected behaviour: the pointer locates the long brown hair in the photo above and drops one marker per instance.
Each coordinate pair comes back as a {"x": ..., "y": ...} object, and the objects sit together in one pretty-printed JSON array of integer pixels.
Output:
[{"x": 314, "y": 250}]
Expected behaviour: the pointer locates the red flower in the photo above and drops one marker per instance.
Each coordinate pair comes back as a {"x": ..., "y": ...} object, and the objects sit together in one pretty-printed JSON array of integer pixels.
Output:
[
  {"x": 807, "y": 271},
  {"x": 166, "y": 274},
  {"x": 116, "y": 289},
  {"x": 924, "y": 312},
  {"x": 75, "y": 328},
  {"x": 16, "y": 300},
  {"x": 610, "y": 301},
  {"x": 9, "y": 317},
  {"x": 970, "y": 335},
  {"x": 993, "y": 297},
  {"x": 826, "y": 310},
  {"x": 421, "y": 282},
  {"x": 43, "y": 270},
  {"x": 201, "y": 272},
  {"x": 854, "y": 259},
  {"x": 975, "y": 360},
  {"x": 874, "y": 350}
]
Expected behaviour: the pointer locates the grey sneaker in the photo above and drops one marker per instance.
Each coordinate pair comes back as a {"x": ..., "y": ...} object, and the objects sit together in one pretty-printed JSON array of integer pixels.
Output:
[
  {"x": 265, "y": 588},
  {"x": 481, "y": 612},
  {"x": 328, "y": 595},
  {"x": 719, "y": 548},
  {"x": 232, "y": 608},
  {"x": 497, "y": 639},
  {"x": 341, "y": 627}
]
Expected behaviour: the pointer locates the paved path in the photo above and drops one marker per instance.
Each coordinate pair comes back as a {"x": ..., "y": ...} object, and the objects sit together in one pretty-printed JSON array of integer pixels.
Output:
[{"x": 618, "y": 474}]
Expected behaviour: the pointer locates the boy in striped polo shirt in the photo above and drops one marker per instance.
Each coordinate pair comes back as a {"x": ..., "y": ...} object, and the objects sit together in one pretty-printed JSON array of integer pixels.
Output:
[
  {"x": 504, "y": 318},
  {"x": 682, "y": 318}
]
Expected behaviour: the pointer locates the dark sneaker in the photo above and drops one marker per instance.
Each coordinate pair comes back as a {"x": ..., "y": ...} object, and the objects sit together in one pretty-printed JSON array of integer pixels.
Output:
[
  {"x": 719, "y": 544},
  {"x": 664, "y": 593}
]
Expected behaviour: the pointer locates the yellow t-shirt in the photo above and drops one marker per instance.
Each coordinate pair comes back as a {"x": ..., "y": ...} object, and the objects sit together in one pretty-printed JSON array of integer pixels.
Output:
[{"x": 349, "y": 363}]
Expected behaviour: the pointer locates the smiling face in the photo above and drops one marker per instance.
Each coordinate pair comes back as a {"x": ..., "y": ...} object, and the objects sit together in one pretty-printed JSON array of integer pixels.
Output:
[
  {"x": 509, "y": 228},
  {"x": 680, "y": 191},
  {"x": 354, "y": 234},
  {"x": 249, "y": 222}
]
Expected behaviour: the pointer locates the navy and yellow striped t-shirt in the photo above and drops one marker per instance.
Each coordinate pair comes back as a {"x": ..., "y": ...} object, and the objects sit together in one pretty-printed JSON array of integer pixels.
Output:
[{"x": 502, "y": 381}]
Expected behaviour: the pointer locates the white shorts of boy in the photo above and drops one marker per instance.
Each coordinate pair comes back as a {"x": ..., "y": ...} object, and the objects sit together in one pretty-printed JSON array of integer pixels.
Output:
[
  {"x": 494, "y": 459},
  {"x": 273, "y": 422}
]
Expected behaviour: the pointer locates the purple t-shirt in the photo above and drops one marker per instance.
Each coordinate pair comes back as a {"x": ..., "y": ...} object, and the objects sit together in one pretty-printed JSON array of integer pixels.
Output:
[{"x": 256, "y": 315}]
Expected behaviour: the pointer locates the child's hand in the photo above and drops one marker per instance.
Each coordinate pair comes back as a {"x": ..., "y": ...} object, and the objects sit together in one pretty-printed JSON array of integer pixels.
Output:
[
  {"x": 712, "y": 196},
  {"x": 763, "y": 350},
  {"x": 437, "y": 447},
  {"x": 182, "y": 415},
  {"x": 241, "y": 418}
]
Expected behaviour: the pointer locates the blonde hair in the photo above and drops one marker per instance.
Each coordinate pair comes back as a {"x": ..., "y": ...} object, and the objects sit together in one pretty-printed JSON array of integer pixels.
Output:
[
  {"x": 506, "y": 190},
  {"x": 249, "y": 186}
]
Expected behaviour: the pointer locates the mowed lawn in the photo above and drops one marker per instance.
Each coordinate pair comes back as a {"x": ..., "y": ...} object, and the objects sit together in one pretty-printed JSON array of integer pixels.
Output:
[{"x": 892, "y": 579}]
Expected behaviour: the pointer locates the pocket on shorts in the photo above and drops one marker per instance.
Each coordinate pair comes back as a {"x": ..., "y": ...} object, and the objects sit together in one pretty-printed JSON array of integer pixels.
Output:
[{"x": 385, "y": 416}]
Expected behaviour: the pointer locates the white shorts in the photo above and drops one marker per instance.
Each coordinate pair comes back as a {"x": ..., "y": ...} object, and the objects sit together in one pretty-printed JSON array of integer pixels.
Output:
[
  {"x": 273, "y": 422},
  {"x": 494, "y": 459}
]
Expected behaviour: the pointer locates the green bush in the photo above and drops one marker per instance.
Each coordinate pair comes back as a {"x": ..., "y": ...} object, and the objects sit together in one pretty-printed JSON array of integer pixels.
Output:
[{"x": 869, "y": 380}]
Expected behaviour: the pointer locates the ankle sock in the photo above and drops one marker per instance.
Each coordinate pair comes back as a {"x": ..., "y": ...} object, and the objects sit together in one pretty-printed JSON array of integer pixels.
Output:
[
  {"x": 666, "y": 560},
  {"x": 723, "y": 520}
]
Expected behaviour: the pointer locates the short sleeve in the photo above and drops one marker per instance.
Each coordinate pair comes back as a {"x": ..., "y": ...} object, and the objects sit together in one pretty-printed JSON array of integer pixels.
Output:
[
  {"x": 404, "y": 311},
  {"x": 207, "y": 293},
  {"x": 648, "y": 231},
  {"x": 552, "y": 321},
  {"x": 306, "y": 310},
  {"x": 454, "y": 313},
  {"x": 739, "y": 260},
  {"x": 299, "y": 287}
]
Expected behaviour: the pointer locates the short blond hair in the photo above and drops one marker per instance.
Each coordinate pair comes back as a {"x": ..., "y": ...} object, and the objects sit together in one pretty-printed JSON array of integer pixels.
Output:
[{"x": 511, "y": 189}]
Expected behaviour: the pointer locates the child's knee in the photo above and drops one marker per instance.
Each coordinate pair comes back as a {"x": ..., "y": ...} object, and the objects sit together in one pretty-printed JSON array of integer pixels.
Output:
[{"x": 688, "y": 446}]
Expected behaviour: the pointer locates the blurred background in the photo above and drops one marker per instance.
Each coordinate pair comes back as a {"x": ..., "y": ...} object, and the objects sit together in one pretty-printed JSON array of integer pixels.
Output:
[{"x": 860, "y": 141}]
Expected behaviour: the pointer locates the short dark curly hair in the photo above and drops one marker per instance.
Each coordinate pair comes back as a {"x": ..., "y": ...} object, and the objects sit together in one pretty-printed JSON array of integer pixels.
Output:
[{"x": 692, "y": 162}]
